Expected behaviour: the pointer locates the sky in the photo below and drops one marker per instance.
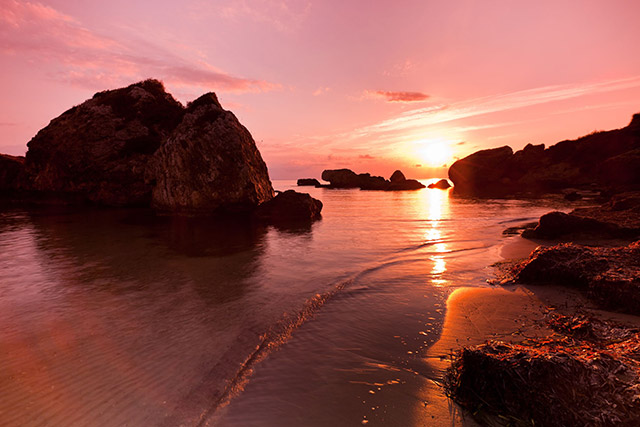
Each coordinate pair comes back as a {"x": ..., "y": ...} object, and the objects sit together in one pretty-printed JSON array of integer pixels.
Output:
[{"x": 374, "y": 86}]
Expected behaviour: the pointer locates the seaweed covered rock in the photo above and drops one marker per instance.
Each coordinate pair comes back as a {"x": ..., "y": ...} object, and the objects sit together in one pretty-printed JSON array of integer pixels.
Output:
[
  {"x": 98, "y": 150},
  {"x": 549, "y": 383},
  {"x": 610, "y": 276},
  {"x": 210, "y": 163},
  {"x": 290, "y": 206}
]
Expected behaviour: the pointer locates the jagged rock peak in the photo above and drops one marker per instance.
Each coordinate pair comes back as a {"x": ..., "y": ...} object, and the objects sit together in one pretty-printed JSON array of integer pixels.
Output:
[{"x": 208, "y": 99}]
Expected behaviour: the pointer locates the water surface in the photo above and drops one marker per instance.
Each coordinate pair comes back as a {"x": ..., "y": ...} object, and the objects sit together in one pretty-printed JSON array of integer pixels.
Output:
[{"x": 119, "y": 317}]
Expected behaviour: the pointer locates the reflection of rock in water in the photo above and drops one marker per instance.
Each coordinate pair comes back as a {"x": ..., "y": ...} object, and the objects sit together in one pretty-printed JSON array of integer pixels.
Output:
[{"x": 125, "y": 251}]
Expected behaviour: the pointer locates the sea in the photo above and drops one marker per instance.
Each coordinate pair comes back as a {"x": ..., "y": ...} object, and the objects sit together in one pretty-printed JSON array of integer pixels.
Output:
[{"x": 114, "y": 317}]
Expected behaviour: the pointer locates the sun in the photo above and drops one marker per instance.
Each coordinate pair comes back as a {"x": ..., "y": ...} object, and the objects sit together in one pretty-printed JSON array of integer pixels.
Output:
[{"x": 433, "y": 152}]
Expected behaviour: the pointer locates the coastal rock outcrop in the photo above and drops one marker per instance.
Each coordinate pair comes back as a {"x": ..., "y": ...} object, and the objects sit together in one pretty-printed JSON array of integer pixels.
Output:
[
  {"x": 605, "y": 160},
  {"x": 397, "y": 176},
  {"x": 209, "y": 163},
  {"x": 346, "y": 178},
  {"x": 443, "y": 184},
  {"x": 617, "y": 219},
  {"x": 138, "y": 146},
  {"x": 11, "y": 172},
  {"x": 610, "y": 276},
  {"x": 308, "y": 182},
  {"x": 98, "y": 151},
  {"x": 290, "y": 206}
]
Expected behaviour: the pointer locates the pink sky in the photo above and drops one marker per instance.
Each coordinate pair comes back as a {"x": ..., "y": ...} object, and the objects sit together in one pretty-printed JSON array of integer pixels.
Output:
[{"x": 373, "y": 86}]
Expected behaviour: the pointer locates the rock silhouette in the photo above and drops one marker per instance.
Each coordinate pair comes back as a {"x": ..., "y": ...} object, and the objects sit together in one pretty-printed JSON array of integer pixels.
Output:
[
  {"x": 209, "y": 163},
  {"x": 138, "y": 146},
  {"x": 346, "y": 178},
  {"x": 606, "y": 160},
  {"x": 310, "y": 182},
  {"x": 442, "y": 184}
]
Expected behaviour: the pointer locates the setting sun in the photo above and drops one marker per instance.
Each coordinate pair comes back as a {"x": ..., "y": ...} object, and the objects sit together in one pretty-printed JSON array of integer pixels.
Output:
[{"x": 433, "y": 152}]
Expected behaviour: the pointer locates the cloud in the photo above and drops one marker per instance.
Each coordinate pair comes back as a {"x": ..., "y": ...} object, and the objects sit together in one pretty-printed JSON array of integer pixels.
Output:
[
  {"x": 321, "y": 90},
  {"x": 82, "y": 57},
  {"x": 420, "y": 118},
  {"x": 398, "y": 96},
  {"x": 461, "y": 143},
  {"x": 366, "y": 157},
  {"x": 283, "y": 15}
]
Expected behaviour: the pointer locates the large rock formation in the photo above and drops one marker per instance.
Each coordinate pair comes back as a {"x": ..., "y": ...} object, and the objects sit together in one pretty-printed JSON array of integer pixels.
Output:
[
  {"x": 99, "y": 150},
  {"x": 346, "y": 178},
  {"x": 209, "y": 163},
  {"x": 138, "y": 146},
  {"x": 606, "y": 160}
]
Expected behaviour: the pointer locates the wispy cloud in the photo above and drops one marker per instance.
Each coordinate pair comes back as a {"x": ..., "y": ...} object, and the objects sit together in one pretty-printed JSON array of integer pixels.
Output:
[
  {"x": 39, "y": 32},
  {"x": 283, "y": 15},
  {"x": 321, "y": 90},
  {"x": 436, "y": 114},
  {"x": 390, "y": 96}
]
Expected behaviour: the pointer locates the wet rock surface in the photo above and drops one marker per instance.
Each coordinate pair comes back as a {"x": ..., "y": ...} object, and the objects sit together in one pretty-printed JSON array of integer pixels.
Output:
[{"x": 607, "y": 160}]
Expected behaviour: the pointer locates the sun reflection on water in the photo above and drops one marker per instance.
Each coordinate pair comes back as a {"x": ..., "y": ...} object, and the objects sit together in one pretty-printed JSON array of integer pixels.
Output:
[{"x": 437, "y": 209}]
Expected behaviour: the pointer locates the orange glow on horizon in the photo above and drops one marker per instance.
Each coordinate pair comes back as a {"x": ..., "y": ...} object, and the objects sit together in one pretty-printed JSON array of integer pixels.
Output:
[{"x": 433, "y": 152}]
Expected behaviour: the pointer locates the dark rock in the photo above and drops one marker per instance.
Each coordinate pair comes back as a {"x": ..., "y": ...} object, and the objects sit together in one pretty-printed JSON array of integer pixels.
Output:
[
  {"x": 572, "y": 196},
  {"x": 11, "y": 172},
  {"x": 368, "y": 182},
  {"x": 346, "y": 178},
  {"x": 550, "y": 382},
  {"x": 397, "y": 176},
  {"x": 137, "y": 146},
  {"x": 408, "y": 184},
  {"x": 517, "y": 229},
  {"x": 341, "y": 178},
  {"x": 608, "y": 159},
  {"x": 210, "y": 163},
  {"x": 617, "y": 219},
  {"x": 310, "y": 182},
  {"x": 611, "y": 276},
  {"x": 555, "y": 225},
  {"x": 481, "y": 172},
  {"x": 99, "y": 149},
  {"x": 290, "y": 206},
  {"x": 443, "y": 184}
]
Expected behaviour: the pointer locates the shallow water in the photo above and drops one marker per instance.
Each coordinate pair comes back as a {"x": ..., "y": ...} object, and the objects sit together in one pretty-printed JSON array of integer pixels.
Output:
[{"x": 123, "y": 318}]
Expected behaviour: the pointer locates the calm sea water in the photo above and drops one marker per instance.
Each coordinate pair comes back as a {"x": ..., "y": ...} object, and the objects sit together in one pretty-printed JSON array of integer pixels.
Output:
[{"x": 123, "y": 318}]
